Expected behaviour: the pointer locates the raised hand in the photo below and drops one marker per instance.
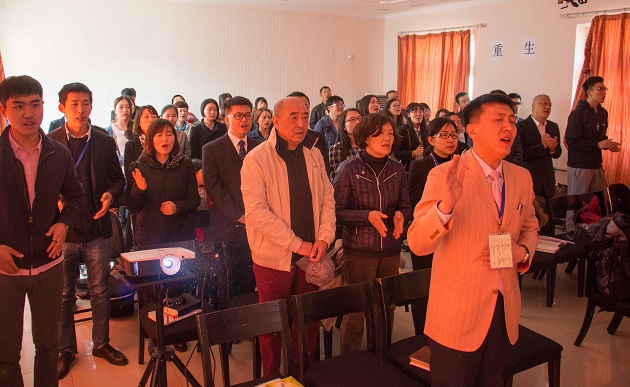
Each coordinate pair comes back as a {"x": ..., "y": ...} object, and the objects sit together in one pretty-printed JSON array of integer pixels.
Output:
[
  {"x": 141, "y": 183},
  {"x": 452, "y": 189}
]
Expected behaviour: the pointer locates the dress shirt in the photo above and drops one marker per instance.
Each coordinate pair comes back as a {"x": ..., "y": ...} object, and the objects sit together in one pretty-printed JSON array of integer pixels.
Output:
[{"x": 235, "y": 141}]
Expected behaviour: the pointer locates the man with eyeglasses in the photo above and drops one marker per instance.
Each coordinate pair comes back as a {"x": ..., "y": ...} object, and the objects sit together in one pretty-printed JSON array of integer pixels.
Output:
[
  {"x": 320, "y": 111},
  {"x": 516, "y": 98},
  {"x": 221, "y": 169},
  {"x": 586, "y": 138},
  {"x": 328, "y": 125}
]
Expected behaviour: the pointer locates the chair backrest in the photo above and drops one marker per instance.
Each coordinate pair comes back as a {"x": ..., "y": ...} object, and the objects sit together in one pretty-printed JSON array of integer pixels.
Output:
[
  {"x": 399, "y": 289},
  {"x": 225, "y": 326},
  {"x": 619, "y": 196},
  {"x": 238, "y": 286},
  {"x": 559, "y": 205},
  {"x": 323, "y": 304}
]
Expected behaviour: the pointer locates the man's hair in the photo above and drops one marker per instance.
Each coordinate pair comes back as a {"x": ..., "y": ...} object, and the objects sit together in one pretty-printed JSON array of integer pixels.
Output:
[
  {"x": 514, "y": 95},
  {"x": 175, "y": 96},
  {"x": 590, "y": 82},
  {"x": 19, "y": 86},
  {"x": 207, "y": 101},
  {"x": 236, "y": 101},
  {"x": 181, "y": 104},
  {"x": 372, "y": 125},
  {"x": 76, "y": 87},
  {"x": 322, "y": 89},
  {"x": 391, "y": 91},
  {"x": 498, "y": 91},
  {"x": 129, "y": 92},
  {"x": 459, "y": 95},
  {"x": 475, "y": 107},
  {"x": 156, "y": 127},
  {"x": 165, "y": 108},
  {"x": 300, "y": 94},
  {"x": 333, "y": 99}
]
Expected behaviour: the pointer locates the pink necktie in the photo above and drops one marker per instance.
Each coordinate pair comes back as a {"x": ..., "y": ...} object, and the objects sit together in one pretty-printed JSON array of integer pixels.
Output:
[{"x": 496, "y": 191}]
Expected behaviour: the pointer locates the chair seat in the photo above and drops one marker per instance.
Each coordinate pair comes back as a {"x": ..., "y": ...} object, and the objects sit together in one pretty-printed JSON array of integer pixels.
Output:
[
  {"x": 399, "y": 353},
  {"x": 568, "y": 253},
  {"x": 369, "y": 370},
  {"x": 530, "y": 350},
  {"x": 185, "y": 330},
  {"x": 542, "y": 261}
]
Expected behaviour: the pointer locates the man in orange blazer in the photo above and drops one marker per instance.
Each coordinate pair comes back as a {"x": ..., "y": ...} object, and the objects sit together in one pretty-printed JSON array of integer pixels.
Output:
[{"x": 473, "y": 310}]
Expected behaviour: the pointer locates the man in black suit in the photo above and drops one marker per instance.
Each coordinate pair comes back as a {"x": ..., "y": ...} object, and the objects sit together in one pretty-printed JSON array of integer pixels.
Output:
[
  {"x": 540, "y": 140},
  {"x": 96, "y": 162},
  {"x": 222, "y": 162}
]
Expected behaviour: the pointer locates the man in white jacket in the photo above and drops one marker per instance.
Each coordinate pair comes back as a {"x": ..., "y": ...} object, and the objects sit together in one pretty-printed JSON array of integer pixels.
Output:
[{"x": 289, "y": 212}]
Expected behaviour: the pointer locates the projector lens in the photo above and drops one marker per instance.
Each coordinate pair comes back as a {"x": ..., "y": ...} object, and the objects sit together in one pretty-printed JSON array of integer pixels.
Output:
[{"x": 168, "y": 263}]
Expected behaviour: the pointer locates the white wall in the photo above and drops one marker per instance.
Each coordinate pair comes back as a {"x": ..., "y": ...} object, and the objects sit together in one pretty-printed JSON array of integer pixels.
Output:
[
  {"x": 549, "y": 72},
  {"x": 199, "y": 51}
]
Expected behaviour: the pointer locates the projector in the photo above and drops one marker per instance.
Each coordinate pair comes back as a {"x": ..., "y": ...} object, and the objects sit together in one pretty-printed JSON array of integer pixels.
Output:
[{"x": 146, "y": 263}]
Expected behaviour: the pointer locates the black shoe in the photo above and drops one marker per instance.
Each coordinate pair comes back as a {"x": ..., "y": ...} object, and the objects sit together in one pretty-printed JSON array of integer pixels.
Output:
[
  {"x": 63, "y": 366},
  {"x": 111, "y": 354},
  {"x": 181, "y": 347}
]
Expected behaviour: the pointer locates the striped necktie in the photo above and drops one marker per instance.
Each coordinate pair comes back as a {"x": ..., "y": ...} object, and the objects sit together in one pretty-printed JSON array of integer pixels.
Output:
[{"x": 241, "y": 149}]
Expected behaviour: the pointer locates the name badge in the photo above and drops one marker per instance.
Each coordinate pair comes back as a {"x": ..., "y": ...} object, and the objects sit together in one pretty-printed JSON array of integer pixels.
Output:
[{"x": 500, "y": 250}]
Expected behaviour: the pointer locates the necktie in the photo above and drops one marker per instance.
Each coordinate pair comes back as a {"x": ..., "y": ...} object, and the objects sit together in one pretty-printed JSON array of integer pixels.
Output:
[
  {"x": 241, "y": 149},
  {"x": 496, "y": 191}
]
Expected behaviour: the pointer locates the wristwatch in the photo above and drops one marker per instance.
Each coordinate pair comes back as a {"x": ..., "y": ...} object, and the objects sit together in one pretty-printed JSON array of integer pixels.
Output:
[{"x": 527, "y": 254}]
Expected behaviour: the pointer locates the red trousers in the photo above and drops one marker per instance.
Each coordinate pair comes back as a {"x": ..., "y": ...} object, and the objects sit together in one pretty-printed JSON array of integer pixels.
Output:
[{"x": 275, "y": 285}]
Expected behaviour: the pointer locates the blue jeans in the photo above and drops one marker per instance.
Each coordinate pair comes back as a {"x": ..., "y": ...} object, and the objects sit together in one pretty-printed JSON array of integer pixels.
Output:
[{"x": 96, "y": 256}]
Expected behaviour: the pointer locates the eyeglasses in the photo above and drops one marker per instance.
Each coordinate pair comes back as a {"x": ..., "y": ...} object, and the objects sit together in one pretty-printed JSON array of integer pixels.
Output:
[
  {"x": 445, "y": 136},
  {"x": 338, "y": 104},
  {"x": 395, "y": 105},
  {"x": 354, "y": 119},
  {"x": 601, "y": 88},
  {"x": 240, "y": 116}
]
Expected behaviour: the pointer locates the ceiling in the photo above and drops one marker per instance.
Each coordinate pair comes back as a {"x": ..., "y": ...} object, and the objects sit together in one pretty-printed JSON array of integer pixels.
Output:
[{"x": 359, "y": 8}]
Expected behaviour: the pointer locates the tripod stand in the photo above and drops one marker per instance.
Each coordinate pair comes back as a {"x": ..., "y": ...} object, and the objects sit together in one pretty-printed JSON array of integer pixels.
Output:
[{"x": 156, "y": 368}]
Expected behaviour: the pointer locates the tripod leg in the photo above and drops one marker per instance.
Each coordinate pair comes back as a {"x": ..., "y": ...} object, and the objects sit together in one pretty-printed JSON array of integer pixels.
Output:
[
  {"x": 182, "y": 368},
  {"x": 147, "y": 372}
]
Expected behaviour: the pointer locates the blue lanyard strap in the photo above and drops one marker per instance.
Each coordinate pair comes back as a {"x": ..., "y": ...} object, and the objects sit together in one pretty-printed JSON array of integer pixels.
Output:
[
  {"x": 502, "y": 209},
  {"x": 76, "y": 163}
]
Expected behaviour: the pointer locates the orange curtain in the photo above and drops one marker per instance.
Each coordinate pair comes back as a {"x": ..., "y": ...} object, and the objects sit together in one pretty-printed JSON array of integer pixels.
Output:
[
  {"x": 3, "y": 120},
  {"x": 607, "y": 54},
  {"x": 433, "y": 68}
]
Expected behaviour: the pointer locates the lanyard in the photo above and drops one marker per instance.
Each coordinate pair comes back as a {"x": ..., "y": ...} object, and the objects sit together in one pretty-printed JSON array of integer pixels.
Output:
[
  {"x": 435, "y": 160},
  {"x": 76, "y": 163},
  {"x": 502, "y": 209}
]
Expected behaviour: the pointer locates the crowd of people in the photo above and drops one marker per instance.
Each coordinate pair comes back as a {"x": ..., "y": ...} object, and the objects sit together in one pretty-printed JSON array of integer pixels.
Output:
[{"x": 286, "y": 182}]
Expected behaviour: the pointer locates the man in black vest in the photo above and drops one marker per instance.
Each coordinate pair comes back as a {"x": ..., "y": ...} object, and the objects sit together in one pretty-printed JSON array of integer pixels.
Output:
[{"x": 96, "y": 162}]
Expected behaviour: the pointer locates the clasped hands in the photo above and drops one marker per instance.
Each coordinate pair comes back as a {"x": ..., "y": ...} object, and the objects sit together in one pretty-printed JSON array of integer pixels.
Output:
[
  {"x": 549, "y": 142},
  {"x": 376, "y": 220}
]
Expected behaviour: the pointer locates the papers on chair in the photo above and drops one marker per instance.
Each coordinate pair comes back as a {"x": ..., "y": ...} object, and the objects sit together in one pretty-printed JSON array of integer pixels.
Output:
[
  {"x": 551, "y": 245},
  {"x": 168, "y": 320},
  {"x": 421, "y": 358},
  {"x": 286, "y": 382}
]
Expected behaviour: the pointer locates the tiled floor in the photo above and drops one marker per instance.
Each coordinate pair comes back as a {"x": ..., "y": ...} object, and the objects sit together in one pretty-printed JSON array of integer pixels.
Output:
[{"x": 602, "y": 360}]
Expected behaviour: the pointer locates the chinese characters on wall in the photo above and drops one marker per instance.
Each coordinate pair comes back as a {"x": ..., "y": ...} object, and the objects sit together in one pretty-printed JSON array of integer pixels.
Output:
[{"x": 527, "y": 49}]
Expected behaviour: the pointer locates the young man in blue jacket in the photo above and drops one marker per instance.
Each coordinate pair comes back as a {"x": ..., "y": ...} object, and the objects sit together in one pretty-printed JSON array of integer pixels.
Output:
[{"x": 35, "y": 172}]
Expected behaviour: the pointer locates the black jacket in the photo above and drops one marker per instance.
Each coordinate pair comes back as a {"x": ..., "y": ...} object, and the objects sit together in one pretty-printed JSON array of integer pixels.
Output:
[
  {"x": 536, "y": 158},
  {"x": 409, "y": 141},
  {"x": 24, "y": 228},
  {"x": 176, "y": 183},
  {"x": 358, "y": 190},
  {"x": 585, "y": 129},
  {"x": 105, "y": 172},
  {"x": 200, "y": 135}
]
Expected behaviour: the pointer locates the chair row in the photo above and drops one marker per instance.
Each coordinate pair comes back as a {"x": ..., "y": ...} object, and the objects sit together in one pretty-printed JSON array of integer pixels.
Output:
[{"x": 382, "y": 363}]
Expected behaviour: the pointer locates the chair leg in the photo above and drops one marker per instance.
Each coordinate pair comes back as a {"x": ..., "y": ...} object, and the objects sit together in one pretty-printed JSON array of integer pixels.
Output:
[
  {"x": 553, "y": 371},
  {"x": 328, "y": 339},
  {"x": 570, "y": 266},
  {"x": 581, "y": 274},
  {"x": 141, "y": 346},
  {"x": 614, "y": 323},
  {"x": 551, "y": 285},
  {"x": 257, "y": 360},
  {"x": 588, "y": 318}
]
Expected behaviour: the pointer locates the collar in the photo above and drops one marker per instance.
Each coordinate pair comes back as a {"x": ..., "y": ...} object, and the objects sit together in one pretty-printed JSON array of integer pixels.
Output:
[
  {"x": 486, "y": 168},
  {"x": 539, "y": 123},
  {"x": 235, "y": 140},
  {"x": 88, "y": 134},
  {"x": 16, "y": 147}
]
